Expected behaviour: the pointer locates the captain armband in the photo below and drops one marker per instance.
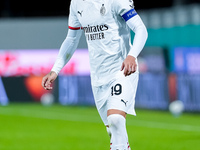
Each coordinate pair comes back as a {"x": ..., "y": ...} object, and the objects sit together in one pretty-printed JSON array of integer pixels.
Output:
[{"x": 130, "y": 14}]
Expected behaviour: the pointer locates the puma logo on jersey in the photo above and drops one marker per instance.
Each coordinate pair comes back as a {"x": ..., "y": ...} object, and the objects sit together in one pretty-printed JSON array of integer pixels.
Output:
[
  {"x": 124, "y": 102},
  {"x": 80, "y": 13}
]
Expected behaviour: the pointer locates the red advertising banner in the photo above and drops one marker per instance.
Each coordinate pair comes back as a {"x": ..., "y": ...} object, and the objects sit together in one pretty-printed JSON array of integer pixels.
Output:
[{"x": 40, "y": 62}]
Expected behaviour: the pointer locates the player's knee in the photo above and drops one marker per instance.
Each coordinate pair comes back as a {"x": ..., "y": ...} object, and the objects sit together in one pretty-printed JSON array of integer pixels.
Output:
[{"x": 114, "y": 120}]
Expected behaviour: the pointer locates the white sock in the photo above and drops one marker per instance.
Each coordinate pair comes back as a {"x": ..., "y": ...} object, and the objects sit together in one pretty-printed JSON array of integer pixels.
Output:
[{"x": 117, "y": 126}]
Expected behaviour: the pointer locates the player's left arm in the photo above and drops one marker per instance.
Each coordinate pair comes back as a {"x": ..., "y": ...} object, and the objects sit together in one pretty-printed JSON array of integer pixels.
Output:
[
  {"x": 137, "y": 26},
  {"x": 125, "y": 9}
]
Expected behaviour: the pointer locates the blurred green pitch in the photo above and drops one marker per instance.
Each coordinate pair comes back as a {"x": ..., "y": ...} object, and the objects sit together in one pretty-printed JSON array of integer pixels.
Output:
[{"x": 34, "y": 127}]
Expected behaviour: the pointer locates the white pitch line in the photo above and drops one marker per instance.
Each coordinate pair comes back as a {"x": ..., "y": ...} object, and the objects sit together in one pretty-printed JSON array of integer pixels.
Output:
[
  {"x": 166, "y": 126},
  {"x": 76, "y": 118}
]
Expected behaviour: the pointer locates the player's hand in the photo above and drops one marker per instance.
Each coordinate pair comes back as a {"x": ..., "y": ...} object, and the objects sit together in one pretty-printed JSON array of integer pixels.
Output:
[
  {"x": 48, "y": 79},
  {"x": 129, "y": 65}
]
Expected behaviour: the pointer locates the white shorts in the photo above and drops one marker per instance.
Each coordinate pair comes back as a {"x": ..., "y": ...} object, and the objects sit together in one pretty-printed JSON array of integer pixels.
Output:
[{"x": 118, "y": 94}]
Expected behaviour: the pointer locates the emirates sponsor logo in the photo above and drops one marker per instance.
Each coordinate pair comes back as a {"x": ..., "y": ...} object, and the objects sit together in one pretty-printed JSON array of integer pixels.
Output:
[{"x": 95, "y": 32}]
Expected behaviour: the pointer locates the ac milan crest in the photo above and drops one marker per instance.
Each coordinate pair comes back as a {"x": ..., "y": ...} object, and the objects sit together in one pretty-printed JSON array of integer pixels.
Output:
[{"x": 103, "y": 10}]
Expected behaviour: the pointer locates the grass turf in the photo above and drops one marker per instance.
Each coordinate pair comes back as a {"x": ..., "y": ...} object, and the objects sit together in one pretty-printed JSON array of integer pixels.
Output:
[{"x": 35, "y": 127}]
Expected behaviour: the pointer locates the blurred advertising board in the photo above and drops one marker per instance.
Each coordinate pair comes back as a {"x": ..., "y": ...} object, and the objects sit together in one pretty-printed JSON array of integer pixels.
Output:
[
  {"x": 185, "y": 63},
  {"x": 188, "y": 87},
  {"x": 152, "y": 91},
  {"x": 21, "y": 72},
  {"x": 3, "y": 96},
  {"x": 40, "y": 62},
  {"x": 185, "y": 60},
  {"x": 23, "y": 89},
  {"x": 152, "y": 59},
  {"x": 75, "y": 90}
]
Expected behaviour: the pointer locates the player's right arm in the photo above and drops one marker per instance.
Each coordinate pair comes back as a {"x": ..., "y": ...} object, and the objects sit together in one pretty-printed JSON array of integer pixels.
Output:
[
  {"x": 67, "y": 48},
  {"x": 65, "y": 53}
]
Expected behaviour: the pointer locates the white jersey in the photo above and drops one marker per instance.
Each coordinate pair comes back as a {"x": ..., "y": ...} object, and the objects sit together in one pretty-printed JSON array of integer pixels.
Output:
[{"x": 106, "y": 32}]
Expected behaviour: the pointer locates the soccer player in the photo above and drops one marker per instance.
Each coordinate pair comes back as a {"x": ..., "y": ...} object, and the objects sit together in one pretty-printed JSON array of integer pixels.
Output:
[{"x": 113, "y": 60}]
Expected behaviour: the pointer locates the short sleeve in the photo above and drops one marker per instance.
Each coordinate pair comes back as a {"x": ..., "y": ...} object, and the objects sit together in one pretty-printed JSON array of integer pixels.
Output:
[
  {"x": 73, "y": 22},
  {"x": 124, "y": 8}
]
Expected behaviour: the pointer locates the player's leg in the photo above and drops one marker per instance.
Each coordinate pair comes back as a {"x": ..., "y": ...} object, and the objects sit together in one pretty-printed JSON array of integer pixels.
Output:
[
  {"x": 108, "y": 120},
  {"x": 120, "y": 103},
  {"x": 117, "y": 126},
  {"x": 101, "y": 96}
]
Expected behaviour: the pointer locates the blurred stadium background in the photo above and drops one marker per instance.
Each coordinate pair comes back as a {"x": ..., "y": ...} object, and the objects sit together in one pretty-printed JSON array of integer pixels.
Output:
[{"x": 31, "y": 33}]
